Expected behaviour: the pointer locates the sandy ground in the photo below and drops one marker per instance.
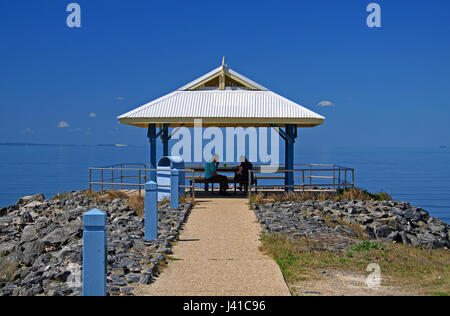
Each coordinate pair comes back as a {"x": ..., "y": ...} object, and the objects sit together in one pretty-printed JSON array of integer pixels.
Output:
[
  {"x": 344, "y": 283},
  {"x": 218, "y": 254}
]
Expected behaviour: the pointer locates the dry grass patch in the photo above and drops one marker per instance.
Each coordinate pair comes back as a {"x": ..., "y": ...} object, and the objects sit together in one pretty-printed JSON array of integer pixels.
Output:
[
  {"x": 187, "y": 199},
  {"x": 348, "y": 194},
  {"x": 426, "y": 271},
  {"x": 105, "y": 196},
  {"x": 112, "y": 195},
  {"x": 360, "y": 194},
  {"x": 334, "y": 221},
  {"x": 61, "y": 196},
  {"x": 137, "y": 203}
]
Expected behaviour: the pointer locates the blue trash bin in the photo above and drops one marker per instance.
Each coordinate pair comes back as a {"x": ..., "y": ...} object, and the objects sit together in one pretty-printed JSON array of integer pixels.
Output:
[{"x": 164, "y": 166}]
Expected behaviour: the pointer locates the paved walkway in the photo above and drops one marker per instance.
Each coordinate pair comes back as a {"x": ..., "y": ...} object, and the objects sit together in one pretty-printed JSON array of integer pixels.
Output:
[{"x": 219, "y": 255}]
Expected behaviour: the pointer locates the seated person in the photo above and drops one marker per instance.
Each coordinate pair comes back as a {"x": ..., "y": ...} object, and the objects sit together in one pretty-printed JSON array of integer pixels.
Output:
[
  {"x": 211, "y": 174},
  {"x": 242, "y": 172}
]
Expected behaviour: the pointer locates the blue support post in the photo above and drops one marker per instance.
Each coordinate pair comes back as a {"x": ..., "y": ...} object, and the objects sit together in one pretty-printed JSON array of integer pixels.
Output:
[
  {"x": 151, "y": 134},
  {"x": 174, "y": 189},
  {"x": 94, "y": 253},
  {"x": 165, "y": 139},
  {"x": 151, "y": 211},
  {"x": 289, "y": 155}
]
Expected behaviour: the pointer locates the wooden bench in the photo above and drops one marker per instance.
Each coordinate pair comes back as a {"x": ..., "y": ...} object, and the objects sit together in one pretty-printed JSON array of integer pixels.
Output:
[{"x": 230, "y": 180}]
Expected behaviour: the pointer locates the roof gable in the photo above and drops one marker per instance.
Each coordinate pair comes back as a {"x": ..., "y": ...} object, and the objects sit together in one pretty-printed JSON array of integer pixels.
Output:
[{"x": 222, "y": 78}]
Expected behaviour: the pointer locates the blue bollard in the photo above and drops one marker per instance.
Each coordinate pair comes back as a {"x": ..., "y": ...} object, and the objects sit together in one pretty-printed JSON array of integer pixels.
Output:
[
  {"x": 174, "y": 190},
  {"x": 151, "y": 211},
  {"x": 94, "y": 253}
]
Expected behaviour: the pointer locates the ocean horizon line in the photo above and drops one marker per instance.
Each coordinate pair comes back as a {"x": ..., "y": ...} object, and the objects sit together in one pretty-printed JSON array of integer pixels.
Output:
[
  {"x": 68, "y": 145},
  {"x": 144, "y": 145}
]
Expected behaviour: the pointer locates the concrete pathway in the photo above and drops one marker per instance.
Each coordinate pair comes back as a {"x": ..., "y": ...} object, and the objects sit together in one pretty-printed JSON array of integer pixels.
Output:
[{"x": 218, "y": 254}]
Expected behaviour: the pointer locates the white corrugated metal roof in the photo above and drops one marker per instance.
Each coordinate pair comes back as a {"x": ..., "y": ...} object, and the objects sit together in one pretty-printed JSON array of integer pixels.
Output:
[
  {"x": 222, "y": 104},
  {"x": 251, "y": 105}
]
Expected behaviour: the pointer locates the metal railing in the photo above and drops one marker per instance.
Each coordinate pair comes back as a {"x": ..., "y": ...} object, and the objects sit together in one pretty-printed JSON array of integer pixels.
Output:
[
  {"x": 313, "y": 177},
  {"x": 117, "y": 177},
  {"x": 306, "y": 176}
]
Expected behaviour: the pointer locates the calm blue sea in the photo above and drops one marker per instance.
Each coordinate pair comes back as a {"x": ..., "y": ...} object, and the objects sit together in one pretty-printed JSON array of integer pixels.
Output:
[{"x": 419, "y": 176}]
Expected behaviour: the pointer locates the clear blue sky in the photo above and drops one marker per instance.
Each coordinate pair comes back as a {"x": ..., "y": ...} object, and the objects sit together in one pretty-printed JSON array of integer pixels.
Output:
[{"x": 389, "y": 86}]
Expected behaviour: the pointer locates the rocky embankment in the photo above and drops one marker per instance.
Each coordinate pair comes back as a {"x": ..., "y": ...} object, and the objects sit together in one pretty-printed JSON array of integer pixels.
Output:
[
  {"x": 339, "y": 224},
  {"x": 41, "y": 245}
]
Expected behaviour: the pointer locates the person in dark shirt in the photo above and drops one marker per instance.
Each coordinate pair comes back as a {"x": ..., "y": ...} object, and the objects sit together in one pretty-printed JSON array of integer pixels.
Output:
[{"x": 242, "y": 172}]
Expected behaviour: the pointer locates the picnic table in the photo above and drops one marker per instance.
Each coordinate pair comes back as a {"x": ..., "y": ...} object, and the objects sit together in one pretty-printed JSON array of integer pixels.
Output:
[{"x": 231, "y": 180}]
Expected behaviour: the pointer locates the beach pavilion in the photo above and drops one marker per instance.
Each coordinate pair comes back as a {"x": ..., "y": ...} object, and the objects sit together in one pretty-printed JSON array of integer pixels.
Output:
[{"x": 222, "y": 98}]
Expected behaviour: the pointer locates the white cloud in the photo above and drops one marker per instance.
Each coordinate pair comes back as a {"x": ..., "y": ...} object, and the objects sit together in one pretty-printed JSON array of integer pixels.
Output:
[
  {"x": 325, "y": 103},
  {"x": 63, "y": 124},
  {"x": 119, "y": 98},
  {"x": 27, "y": 131},
  {"x": 92, "y": 115}
]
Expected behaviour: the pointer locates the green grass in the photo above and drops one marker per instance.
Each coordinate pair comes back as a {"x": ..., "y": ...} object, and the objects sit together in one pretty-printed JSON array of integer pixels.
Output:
[
  {"x": 440, "y": 294},
  {"x": 427, "y": 271},
  {"x": 171, "y": 258},
  {"x": 365, "y": 246}
]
